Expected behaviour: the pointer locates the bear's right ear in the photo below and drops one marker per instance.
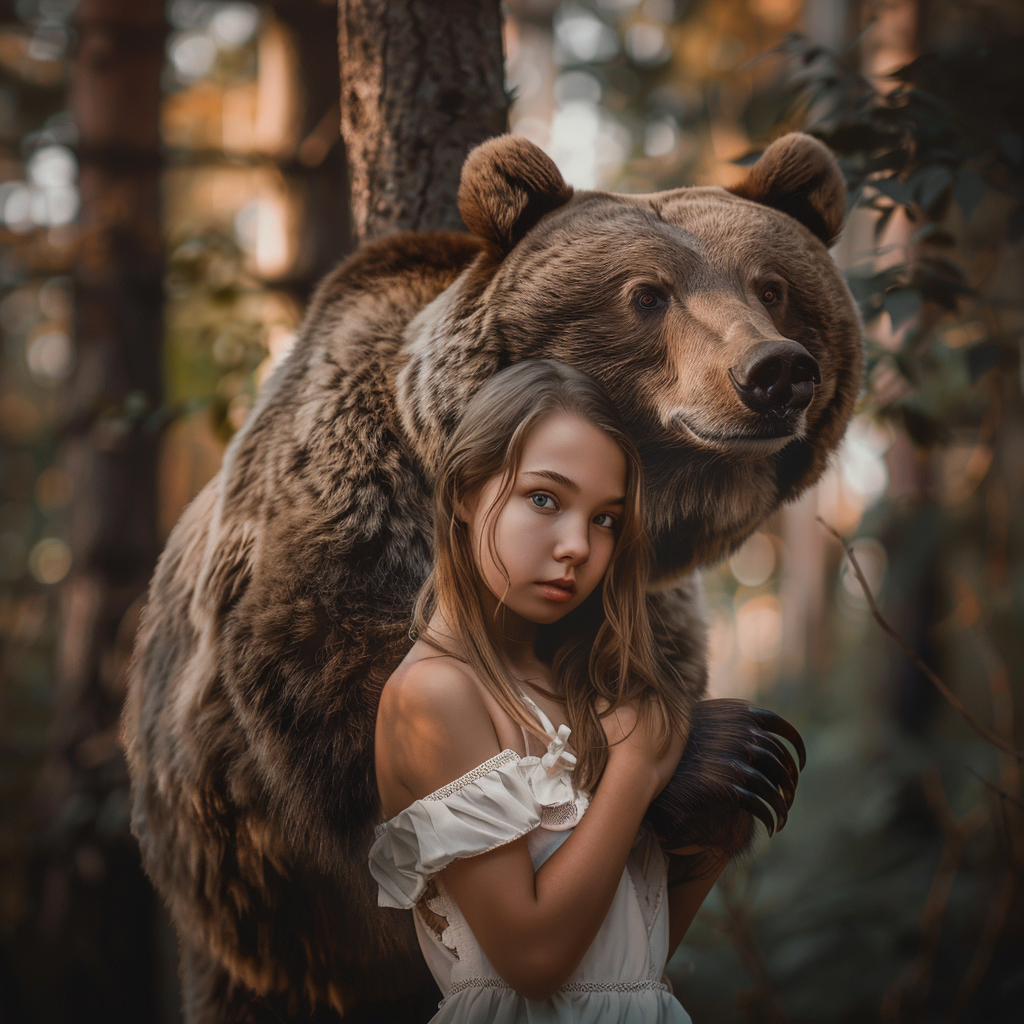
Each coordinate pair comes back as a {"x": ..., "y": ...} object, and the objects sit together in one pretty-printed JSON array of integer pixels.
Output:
[{"x": 507, "y": 185}]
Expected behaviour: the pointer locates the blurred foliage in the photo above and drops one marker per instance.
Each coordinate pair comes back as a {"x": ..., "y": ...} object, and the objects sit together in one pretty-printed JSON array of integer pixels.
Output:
[
  {"x": 221, "y": 319},
  {"x": 947, "y": 139},
  {"x": 216, "y": 336},
  {"x": 893, "y": 893},
  {"x": 214, "y": 340},
  {"x": 252, "y": 143},
  {"x": 666, "y": 78},
  {"x": 35, "y": 324}
]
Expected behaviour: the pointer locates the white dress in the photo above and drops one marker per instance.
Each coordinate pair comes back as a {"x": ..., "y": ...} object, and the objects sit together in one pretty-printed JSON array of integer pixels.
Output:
[{"x": 621, "y": 975}]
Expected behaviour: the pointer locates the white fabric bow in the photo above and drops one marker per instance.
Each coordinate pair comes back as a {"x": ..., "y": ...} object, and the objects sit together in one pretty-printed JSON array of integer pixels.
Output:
[
  {"x": 550, "y": 777},
  {"x": 558, "y": 758}
]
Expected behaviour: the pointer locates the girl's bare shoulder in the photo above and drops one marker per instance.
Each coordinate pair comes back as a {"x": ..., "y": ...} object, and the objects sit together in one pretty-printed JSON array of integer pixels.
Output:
[
  {"x": 431, "y": 686},
  {"x": 433, "y": 726}
]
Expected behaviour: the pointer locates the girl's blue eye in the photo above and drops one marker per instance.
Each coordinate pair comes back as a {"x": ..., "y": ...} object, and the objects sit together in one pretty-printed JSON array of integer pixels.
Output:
[
  {"x": 543, "y": 497},
  {"x": 609, "y": 517}
]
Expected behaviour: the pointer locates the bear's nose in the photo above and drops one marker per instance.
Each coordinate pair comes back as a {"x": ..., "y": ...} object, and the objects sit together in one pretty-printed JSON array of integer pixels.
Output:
[{"x": 776, "y": 379}]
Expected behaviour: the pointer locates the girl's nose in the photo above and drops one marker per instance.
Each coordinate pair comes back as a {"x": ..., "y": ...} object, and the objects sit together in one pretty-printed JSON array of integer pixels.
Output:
[{"x": 573, "y": 544}]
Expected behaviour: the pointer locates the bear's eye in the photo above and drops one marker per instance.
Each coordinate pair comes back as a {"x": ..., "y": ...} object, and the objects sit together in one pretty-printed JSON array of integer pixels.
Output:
[
  {"x": 648, "y": 300},
  {"x": 769, "y": 295}
]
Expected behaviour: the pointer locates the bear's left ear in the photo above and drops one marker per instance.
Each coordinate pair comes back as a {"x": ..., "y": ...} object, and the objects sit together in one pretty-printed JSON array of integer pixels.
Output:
[
  {"x": 799, "y": 176},
  {"x": 507, "y": 185}
]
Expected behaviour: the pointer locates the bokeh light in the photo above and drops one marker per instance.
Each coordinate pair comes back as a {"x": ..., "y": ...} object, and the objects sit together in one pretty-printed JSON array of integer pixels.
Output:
[
  {"x": 50, "y": 560},
  {"x": 754, "y": 562},
  {"x": 759, "y": 628}
]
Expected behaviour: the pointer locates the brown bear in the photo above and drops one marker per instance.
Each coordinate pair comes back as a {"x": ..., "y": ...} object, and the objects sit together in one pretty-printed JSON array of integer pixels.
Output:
[{"x": 727, "y": 337}]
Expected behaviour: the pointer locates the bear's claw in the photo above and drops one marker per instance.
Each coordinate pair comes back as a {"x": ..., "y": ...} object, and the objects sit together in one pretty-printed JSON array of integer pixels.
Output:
[
  {"x": 781, "y": 753},
  {"x": 768, "y": 763},
  {"x": 754, "y": 781},
  {"x": 735, "y": 766},
  {"x": 771, "y": 722},
  {"x": 750, "y": 803}
]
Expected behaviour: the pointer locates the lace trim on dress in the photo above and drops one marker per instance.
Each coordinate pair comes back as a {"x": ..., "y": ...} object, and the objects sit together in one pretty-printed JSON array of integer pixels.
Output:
[
  {"x": 615, "y": 986},
  {"x": 649, "y": 985},
  {"x": 638, "y": 864},
  {"x": 442, "y": 916},
  {"x": 486, "y": 808},
  {"x": 506, "y": 756},
  {"x": 560, "y": 817}
]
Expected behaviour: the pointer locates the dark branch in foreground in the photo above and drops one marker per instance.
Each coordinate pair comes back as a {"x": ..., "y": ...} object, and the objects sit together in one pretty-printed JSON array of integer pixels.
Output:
[{"x": 946, "y": 692}]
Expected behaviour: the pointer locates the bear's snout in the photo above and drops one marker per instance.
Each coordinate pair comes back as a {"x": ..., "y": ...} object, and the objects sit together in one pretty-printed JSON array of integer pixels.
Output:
[{"x": 776, "y": 379}]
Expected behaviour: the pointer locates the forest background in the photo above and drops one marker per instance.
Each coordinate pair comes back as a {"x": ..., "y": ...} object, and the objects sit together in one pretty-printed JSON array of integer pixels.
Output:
[{"x": 160, "y": 235}]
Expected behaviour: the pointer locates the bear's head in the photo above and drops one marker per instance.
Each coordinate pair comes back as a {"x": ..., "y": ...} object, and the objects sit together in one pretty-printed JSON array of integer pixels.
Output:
[{"x": 715, "y": 318}]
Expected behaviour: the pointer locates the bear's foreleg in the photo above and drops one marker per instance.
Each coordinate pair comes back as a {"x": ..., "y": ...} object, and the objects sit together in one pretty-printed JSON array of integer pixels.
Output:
[{"x": 734, "y": 768}]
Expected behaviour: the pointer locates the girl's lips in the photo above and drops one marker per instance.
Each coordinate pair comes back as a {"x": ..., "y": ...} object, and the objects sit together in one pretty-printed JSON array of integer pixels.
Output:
[{"x": 556, "y": 592}]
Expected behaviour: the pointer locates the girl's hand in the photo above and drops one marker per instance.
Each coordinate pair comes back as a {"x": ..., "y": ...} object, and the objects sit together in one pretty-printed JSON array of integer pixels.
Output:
[{"x": 634, "y": 744}]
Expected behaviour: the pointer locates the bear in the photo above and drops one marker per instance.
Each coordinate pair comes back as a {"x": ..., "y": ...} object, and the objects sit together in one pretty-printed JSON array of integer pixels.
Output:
[{"x": 728, "y": 339}]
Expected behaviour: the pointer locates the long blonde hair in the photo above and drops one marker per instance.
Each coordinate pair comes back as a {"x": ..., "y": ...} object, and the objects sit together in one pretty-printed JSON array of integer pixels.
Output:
[{"x": 602, "y": 649}]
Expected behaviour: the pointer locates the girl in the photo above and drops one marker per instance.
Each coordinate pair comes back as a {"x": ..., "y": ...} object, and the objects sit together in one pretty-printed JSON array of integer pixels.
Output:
[{"x": 537, "y": 896}]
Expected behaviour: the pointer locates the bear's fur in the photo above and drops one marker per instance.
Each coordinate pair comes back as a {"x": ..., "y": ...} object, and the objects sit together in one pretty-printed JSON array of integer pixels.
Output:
[{"x": 282, "y": 601}]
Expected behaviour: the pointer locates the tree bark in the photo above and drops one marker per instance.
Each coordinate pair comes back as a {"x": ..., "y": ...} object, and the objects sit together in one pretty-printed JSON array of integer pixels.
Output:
[
  {"x": 421, "y": 84},
  {"x": 96, "y": 908}
]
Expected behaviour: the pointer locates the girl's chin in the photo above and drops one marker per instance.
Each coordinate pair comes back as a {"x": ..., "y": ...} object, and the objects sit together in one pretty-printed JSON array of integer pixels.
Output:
[
  {"x": 541, "y": 613},
  {"x": 551, "y": 611}
]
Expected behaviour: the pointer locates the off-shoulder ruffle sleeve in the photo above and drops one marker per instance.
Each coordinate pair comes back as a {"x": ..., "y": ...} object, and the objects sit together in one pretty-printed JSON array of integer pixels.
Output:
[{"x": 486, "y": 808}]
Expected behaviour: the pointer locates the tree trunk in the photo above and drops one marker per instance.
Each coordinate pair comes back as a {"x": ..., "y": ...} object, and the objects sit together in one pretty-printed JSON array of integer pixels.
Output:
[
  {"x": 421, "y": 84},
  {"x": 96, "y": 906}
]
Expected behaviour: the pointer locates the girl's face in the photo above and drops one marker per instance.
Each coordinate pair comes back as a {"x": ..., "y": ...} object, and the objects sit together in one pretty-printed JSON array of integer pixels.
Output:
[{"x": 556, "y": 533}]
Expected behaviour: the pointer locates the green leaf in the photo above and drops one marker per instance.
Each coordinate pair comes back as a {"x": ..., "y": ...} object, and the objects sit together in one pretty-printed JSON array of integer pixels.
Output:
[
  {"x": 929, "y": 184},
  {"x": 968, "y": 191},
  {"x": 902, "y": 304},
  {"x": 901, "y": 192}
]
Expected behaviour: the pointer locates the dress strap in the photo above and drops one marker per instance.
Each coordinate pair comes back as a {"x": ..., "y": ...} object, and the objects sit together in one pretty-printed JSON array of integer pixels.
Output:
[
  {"x": 545, "y": 722},
  {"x": 526, "y": 739}
]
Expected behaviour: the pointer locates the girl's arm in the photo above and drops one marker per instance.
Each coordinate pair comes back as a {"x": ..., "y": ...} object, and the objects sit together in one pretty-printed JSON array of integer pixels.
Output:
[{"x": 535, "y": 927}]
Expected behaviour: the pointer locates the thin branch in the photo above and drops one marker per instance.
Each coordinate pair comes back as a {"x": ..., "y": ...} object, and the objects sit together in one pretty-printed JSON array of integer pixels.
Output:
[
  {"x": 994, "y": 922},
  {"x": 995, "y": 788},
  {"x": 762, "y": 1002},
  {"x": 908, "y": 995},
  {"x": 946, "y": 692}
]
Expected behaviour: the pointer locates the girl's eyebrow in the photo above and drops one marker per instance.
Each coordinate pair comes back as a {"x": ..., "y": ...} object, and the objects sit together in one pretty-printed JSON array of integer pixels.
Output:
[{"x": 571, "y": 485}]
